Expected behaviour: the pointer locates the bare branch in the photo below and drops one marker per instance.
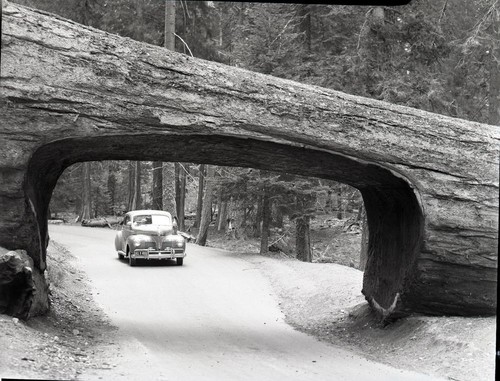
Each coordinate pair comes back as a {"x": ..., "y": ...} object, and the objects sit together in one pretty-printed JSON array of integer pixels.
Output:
[
  {"x": 187, "y": 172},
  {"x": 443, "y": 11},
  {"x": 283, "y": 30},
  {"x": 184, "y": 42},
  {"x": 362, "y": 29}
]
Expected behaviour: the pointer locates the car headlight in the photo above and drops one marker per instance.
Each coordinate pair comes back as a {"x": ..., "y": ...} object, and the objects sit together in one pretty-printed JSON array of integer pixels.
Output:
[{"x": 176, "y": 241}]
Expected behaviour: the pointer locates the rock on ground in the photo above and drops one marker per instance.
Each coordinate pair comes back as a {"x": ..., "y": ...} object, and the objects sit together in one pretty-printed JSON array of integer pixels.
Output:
[{"x": 74, "y": 336}]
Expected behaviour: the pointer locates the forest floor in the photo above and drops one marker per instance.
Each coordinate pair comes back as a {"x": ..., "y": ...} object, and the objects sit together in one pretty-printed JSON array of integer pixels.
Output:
[
  {"x": 320, "y": 299},
  {"x": 332, "y": 240}
]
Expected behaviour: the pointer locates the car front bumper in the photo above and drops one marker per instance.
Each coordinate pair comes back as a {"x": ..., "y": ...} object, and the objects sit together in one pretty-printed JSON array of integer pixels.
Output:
[{"x": 158, "y": 254}]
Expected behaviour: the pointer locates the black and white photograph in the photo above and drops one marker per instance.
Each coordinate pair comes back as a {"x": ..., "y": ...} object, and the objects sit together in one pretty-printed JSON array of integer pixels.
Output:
[{"x": 237, "y": 191}]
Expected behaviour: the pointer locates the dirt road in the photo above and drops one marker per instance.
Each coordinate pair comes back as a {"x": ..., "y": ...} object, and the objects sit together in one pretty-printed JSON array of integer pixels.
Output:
[{"x": 215, "y": 318}]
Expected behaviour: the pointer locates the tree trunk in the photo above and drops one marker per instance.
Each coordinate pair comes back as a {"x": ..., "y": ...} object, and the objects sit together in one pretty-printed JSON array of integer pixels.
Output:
[
  {"x": 279, "y": 217},
  {"x": 169, "y": 43},
  {"x": 339, "y": 202},
  {"x": 221, "y": 225},
  {"x": 169, "y": 187},
  {"x": 199, "y": 204},
  {"x": 86, "y": 192},
  {"x": 266, "y": 221},
  {"x": 429, "y": 182},
  {"x": 219, "y": 207},
  {"x": 329, "y": 201},
  {"x": 186, "y": 170},
  {"x": 139, "y": 20},
  {"x": 180, "y": 193},
  {"x": 137, "y": 202},
  {"x": 111, "y": 186},
  {"x": 131, "y": 186},
  {"x": 169, "y": 24},
  {"x": 245, "y": 213},
  {"x": 207, "y": 207},
  {"x": 157, "y": 196},
  {"x": 303, "y": 239},
  {"x": 134, "y": 186}
]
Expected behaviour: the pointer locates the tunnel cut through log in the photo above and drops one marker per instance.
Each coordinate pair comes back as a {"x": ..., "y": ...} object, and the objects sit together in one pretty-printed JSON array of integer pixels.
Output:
[
  {"x": 393, "y": 211},
  {"x": 71, "y": 93}
]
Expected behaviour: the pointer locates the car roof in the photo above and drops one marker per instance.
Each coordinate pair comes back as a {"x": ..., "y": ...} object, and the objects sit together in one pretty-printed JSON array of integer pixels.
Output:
[{"x": 148, "y": 211}]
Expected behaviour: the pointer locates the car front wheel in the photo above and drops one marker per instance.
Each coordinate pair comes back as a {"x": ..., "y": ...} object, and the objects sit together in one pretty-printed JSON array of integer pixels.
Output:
[
  {"x": 131, "y": 261},
  {"x": 180, "y": 261}
]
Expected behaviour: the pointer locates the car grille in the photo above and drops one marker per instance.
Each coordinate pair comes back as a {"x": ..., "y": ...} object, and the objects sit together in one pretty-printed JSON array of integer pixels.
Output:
[{"x": 158, "y": 242}]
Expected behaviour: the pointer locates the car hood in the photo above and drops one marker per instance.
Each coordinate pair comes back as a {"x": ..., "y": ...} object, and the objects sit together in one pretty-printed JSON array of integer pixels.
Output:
[{"x": 153, "y": 230}]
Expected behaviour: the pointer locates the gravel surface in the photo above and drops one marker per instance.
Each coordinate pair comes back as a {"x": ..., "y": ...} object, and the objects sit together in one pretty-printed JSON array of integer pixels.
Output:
[{"x": 321, "y": 299}]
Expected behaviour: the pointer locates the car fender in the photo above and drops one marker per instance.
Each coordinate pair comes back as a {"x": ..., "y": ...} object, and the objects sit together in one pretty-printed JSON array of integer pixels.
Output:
[
  {"x": 118, "y": 241},
  {"x": 130, "y": 241}
]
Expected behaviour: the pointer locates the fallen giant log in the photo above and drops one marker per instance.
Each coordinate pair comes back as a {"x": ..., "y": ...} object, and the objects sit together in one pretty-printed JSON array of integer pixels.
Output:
[{"x": 71, "y": 93}]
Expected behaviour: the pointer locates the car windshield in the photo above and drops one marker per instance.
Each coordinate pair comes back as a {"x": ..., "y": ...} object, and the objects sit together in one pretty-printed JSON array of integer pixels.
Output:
[{"x": 152, "y": 219}]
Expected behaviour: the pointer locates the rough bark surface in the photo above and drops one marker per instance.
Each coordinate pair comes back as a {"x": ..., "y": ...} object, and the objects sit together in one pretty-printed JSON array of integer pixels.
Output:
[
  {"x": 71, "y": 93},
  {"x": 303, "y": 239},
  {"x": 169, "y": 187},
  {"x": 157, "y": 194},
  {"x": 222, "y": 217},
  {"x": 86, "y": 189},
  {"x": 199, "y": 202},
  {"x": 180, "y": 193},
  {"x": 206, "y": 211}
]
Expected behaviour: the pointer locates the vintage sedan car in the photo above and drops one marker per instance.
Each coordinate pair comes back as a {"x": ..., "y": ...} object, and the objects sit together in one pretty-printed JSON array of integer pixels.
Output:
[{"x": 149, "y": 235}]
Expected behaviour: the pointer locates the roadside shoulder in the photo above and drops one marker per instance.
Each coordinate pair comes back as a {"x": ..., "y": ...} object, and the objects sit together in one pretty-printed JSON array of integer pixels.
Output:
[{"x": 324, "y": 300}]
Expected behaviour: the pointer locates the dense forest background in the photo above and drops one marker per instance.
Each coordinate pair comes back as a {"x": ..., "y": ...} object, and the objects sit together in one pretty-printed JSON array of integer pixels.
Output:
[{"x": 437, "y": 55}]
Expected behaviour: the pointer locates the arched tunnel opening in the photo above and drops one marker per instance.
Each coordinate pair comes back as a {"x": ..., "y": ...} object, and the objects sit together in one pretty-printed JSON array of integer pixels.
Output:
[{"x": 395, "y": 217}]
